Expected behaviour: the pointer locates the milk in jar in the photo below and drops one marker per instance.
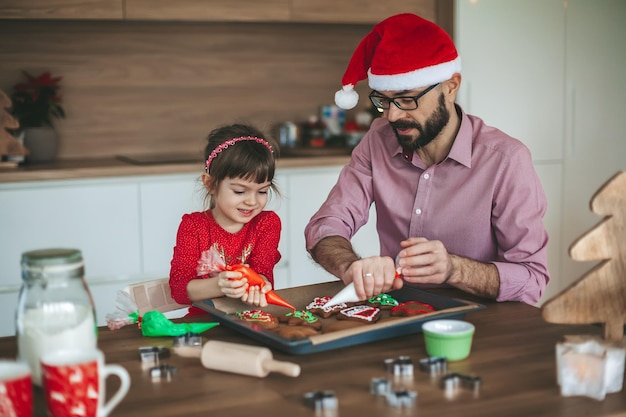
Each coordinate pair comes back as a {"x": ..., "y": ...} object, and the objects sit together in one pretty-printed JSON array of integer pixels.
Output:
[{"x": 55, "y": 308}]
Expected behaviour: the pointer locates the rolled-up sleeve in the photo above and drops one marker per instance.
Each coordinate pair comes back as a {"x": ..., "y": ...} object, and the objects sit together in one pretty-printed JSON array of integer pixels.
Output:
[{"x": 517, "y": 216}]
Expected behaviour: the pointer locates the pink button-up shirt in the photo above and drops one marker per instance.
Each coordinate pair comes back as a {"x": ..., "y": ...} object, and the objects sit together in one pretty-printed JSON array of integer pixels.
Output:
[{"x": 484, "y": 202}]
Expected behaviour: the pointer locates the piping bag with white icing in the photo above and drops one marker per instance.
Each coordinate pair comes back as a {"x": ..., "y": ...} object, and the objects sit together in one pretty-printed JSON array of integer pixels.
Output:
[{"x": 348, "y": 293}]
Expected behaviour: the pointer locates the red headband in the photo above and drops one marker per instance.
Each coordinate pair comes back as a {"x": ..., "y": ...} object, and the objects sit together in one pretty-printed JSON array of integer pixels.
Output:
[{"x": 230, "y": 142}]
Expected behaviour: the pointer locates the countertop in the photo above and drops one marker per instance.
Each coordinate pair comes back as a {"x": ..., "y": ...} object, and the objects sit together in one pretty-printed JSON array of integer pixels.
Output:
[
  {"x": 114, "y": 167},
  {"x": 513, "y": 353}
]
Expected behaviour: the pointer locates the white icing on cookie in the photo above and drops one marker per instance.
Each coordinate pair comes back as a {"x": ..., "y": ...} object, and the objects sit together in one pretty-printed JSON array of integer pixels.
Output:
[
  {"x": 361, "y": 312},
  {"x": 318, "y": 303}
]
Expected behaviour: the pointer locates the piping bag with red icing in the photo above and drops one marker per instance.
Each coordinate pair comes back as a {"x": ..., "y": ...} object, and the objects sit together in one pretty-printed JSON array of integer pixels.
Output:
[
  {"x": 348, "y": 294},
  {"x": 211, "y": 262},
  {"x": 255, "y": 279}
]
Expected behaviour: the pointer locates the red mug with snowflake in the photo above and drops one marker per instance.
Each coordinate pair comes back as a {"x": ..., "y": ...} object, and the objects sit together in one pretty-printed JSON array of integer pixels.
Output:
[
  {"x": 16, "y": 389},
  {"x": 74, "y": 383}
]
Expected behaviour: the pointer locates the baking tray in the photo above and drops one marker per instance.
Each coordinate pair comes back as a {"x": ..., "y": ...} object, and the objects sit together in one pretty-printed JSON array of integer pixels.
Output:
[{"x": 222, "y": 308}]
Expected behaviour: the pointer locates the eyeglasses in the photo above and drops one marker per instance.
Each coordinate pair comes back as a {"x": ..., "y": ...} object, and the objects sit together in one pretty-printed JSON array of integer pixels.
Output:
[{"x": 403, "y": 103}]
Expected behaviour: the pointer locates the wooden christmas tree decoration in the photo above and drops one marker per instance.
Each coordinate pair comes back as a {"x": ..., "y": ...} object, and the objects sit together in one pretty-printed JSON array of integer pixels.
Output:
[
  {"x": 9, "y": 146},
  {"x": 588, "y": 365},
  {"x": 599, "y": 296}
]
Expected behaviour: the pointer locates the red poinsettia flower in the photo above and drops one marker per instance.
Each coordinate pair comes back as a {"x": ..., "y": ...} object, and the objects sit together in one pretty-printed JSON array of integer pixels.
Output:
[{"x": 36, "y": 101}]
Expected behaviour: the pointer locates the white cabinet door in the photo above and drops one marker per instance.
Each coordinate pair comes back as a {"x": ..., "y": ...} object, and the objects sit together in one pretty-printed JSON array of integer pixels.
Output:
[
  {"x": 596, "y": 143},
  {"x": 308, "y": 189},
  {"x": 164, "y": 200},
  {"x": 278, "y": 203},
  {"x": 551, "y": 177},
  {"x": 513, "y": 59},
  {"x": 98, "y": 217},
  {"x": 101, "y": 218}
]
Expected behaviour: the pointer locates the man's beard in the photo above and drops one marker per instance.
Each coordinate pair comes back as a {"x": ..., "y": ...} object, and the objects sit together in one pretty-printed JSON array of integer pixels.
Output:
[{"x": 427, "y": 133}]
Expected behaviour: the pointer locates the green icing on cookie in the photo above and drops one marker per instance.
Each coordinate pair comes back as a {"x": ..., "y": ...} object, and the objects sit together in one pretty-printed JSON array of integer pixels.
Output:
[
  {"x": 383, "y": 300},
  {"x": 303, "y": 315}
]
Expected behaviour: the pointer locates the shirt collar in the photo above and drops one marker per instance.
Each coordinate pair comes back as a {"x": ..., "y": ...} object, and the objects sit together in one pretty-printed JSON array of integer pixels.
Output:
[{"x": 462, "y": 147}]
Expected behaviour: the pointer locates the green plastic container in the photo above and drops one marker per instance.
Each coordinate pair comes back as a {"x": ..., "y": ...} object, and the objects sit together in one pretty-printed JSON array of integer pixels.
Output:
[{"x": 450, "y": 339}]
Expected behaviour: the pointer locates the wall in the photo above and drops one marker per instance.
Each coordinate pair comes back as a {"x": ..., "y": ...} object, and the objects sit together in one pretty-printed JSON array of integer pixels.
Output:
[
  {"x": 557, "y": 88},
  {"x": 139, "y": 86}
]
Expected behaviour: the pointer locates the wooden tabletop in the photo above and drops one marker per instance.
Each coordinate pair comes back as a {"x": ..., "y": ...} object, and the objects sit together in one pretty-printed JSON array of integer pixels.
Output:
[{"x": 513, "y": 352}]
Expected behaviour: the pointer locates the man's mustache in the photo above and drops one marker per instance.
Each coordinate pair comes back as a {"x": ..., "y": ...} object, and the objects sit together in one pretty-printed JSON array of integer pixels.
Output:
[{"x": 405, "y": 125}]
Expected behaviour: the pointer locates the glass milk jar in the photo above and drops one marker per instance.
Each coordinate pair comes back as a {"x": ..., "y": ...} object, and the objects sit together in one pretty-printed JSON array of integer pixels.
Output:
[{"x": 55, "y": 309}]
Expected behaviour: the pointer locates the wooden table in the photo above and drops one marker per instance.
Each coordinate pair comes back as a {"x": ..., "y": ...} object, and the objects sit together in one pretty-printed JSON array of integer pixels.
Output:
[{"x": 513, "y": 353}]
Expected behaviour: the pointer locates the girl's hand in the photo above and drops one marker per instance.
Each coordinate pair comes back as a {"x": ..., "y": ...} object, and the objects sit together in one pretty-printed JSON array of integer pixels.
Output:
[
  {"x": 256, "y": 295},
  {"x": 232, "y": 284}
]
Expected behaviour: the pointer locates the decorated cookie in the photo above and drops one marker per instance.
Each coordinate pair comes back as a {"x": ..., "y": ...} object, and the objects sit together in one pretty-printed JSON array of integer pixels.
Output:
[
  {"x": 259, "y": 317},
  {"x": 382, "y": 301},
  {"x": 317, "y": 307},
  {"x": 411, "y": 308},
  {"x": 337, "y": 325},
  {"x": 301, "y": 318},
  {"x": 296, "y": 332},
  {"x": 362, "y": 313}
]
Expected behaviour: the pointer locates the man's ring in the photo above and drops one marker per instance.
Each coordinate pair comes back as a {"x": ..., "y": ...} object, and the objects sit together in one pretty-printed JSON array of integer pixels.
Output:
[{"x": 369, "y": 274}]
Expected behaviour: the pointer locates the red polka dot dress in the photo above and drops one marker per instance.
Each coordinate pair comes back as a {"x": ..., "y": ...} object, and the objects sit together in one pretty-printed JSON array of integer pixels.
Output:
[{"x": 198, "y": 231}]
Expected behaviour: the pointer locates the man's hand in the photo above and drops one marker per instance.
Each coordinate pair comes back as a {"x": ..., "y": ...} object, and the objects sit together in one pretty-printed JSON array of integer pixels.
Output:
[
  {"x": 372, "y": 276},
  {"x": 424, "y": 261}
]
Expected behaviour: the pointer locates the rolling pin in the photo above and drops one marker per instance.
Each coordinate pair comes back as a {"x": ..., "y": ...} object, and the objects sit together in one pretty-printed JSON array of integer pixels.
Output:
[{"x": 238, "y": 358}]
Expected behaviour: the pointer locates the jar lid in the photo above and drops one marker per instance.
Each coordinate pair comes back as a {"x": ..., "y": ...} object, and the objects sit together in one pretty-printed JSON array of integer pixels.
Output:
[{"x": 52, "y": 257}]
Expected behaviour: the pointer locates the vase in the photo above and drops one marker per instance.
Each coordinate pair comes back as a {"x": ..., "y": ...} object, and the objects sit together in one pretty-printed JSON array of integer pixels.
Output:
[{"x": 42, "y": 144}]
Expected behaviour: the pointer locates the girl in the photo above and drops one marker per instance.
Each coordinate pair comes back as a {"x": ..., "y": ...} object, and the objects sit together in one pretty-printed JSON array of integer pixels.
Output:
[{"x": 239, "y": 174}]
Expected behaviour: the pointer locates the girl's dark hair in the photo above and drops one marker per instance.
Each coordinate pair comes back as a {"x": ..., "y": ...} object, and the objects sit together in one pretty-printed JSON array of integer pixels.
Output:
[{"x": 246, "y": 159}]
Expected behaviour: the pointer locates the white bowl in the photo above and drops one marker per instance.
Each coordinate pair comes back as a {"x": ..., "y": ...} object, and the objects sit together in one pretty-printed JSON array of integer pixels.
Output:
[{"x": 450, "y": 327}]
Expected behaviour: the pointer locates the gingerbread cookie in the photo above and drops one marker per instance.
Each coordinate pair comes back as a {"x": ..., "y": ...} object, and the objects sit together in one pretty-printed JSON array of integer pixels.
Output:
[
  {"x": 382, "y": 301},
  {"x": 301, "y": 318},
  {"x": 361, "y": 313},
  {"x": 259, "y": 317},
  {"x": 411, "y": 308},
  {"x": 337, "y": 325},
  {"x": 317, "y": 307},
  {"x": 296, "y": 332}
]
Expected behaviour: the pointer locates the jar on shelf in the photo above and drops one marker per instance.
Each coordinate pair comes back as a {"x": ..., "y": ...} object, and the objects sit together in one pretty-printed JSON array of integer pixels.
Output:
[{"x": 55, "y": 309}]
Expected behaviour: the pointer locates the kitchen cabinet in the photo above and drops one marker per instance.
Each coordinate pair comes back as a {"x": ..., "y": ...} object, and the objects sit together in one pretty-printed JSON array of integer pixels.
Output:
[
  {"x": 308, "y": 189},
  {"x": 126, "y": 228},
  {"x": 99, "y": 217},
  {"x": 164, "y": 199},
  {"x": 62, "y": 9},
  {"x": 294, "y": 11},
  {"x": 358, "y": 11},
  {"x": 209, "y": 10}
]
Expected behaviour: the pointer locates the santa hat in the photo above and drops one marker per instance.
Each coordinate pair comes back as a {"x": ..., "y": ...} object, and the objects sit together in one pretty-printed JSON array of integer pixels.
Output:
[{"x": 403, "y": 52}]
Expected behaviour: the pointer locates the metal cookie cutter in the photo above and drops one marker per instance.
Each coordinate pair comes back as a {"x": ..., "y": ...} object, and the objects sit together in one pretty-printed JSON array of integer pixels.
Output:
[
  {"x": 434, "y": 365},
  {"x": 152, "y": 355},
  {"x": 452, "y": 382},
  {"x": 380, "y": 386},
  {"x": 188, "y": 339},
  {"x": 321, "y": 400},
  {"x": 401, "y": 398},
  {"x": 402, "y": 366},
  {"x": 161, "y": 372}
]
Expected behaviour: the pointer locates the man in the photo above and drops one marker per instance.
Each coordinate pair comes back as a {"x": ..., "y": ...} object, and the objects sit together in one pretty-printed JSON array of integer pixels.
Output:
[{"x": 457, "y": 202}]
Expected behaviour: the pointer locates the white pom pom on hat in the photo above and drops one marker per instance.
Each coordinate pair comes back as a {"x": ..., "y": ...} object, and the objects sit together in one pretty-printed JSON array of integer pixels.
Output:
[
  {"x": 346, "y": 98},
  {"x": 403, "y": 52}
]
